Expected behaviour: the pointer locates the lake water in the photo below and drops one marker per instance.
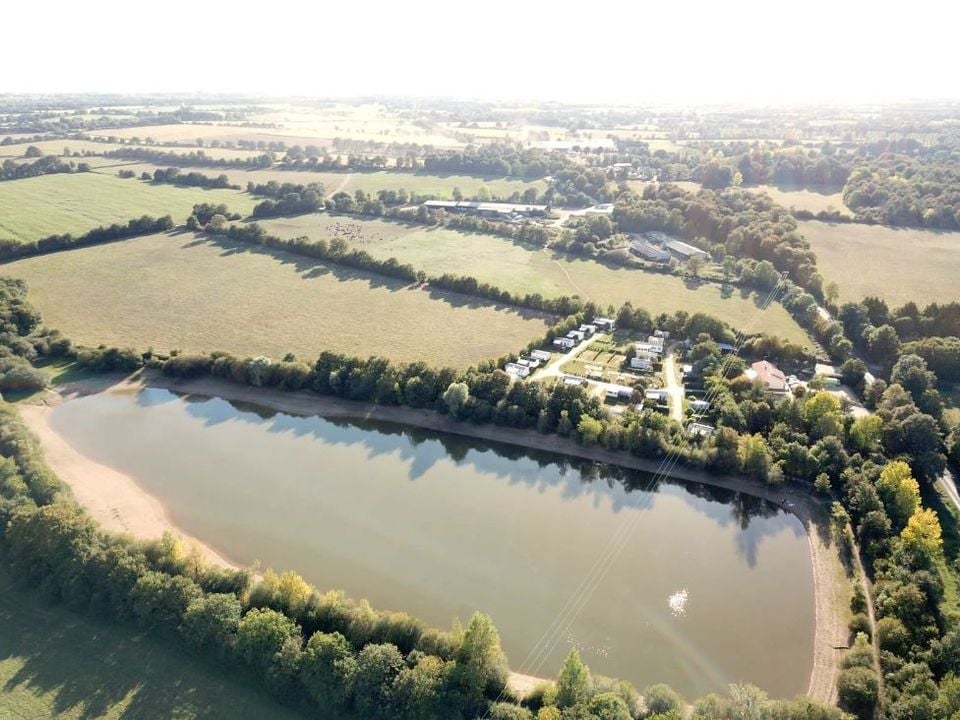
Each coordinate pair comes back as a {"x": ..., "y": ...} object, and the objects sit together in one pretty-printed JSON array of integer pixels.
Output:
[{"x": 709, "y": 588}]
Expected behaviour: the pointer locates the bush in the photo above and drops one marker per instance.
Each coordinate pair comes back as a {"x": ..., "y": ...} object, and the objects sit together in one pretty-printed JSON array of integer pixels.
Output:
[{"x": 858, "y": 688}]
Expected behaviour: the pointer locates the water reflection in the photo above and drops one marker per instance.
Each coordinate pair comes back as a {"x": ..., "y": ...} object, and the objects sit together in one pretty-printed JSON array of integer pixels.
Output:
[{"x": 440, "y": 525}]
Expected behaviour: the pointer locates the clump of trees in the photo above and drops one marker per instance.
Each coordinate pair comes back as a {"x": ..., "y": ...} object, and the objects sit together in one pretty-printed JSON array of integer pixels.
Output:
[
  {"x": 286, "y": 199},
  {"x": 173, "y": 176},
  {"x": 44, "y": 165}
]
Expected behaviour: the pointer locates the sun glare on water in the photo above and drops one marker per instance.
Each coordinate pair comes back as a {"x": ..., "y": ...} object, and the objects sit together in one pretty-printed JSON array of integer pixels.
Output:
[{"x": 678, "y": 602}]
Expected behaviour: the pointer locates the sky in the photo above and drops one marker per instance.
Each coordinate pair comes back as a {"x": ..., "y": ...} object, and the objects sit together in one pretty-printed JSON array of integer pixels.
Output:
[{"x": 624, "y": 52}]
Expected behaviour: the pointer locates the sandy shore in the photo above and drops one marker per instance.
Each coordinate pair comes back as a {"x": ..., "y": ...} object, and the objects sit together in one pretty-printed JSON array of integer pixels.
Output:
[
  {"x": 112, "y": 498},
  {"x": 116, "y": 501}
]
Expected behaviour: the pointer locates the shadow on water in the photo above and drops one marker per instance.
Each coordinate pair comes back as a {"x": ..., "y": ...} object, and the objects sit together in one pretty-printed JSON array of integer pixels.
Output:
[{"x": 421, "y": 450}]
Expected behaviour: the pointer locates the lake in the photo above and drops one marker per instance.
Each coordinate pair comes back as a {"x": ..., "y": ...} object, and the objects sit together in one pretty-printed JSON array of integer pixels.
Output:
[{"x": 708, "y": 587}]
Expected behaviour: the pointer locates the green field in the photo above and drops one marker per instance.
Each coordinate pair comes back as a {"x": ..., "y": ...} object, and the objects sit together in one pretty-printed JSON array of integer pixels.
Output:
[
  {"x": 520, "y": 268},
  {"x": 34, "y": 208},
  {"x": 57, "y": 664},
  {"x": 178, "y": 291},
  {"x": 896, "y": 264},
  {"x": 370, "y": 182}
]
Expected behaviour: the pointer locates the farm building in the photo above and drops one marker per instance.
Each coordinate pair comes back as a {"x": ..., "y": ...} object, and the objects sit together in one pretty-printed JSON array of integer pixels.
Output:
[
  {"x": 685, "y": 251},
  {"x": 602, "y": 209},
  {"x": 659, "y": 238},
  {"x": 619, "y": 392},
  {"x": 517, "y": 369},
  {"x": 643, "y": 249},
  {"x": 541, "y": 355},
  {"x": 487, "y": 209},
  {"x": 769, "y": 375},
  {"x": 700, "y": 429},
  {"x": 565, "y": 343}
]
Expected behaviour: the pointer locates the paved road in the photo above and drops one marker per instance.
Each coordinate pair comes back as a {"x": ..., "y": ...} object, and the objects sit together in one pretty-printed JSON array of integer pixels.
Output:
[
  {"x": 674, "y": 386},
  {"x": 948, "y": 485},
  {"x": 553, "y": 367}
]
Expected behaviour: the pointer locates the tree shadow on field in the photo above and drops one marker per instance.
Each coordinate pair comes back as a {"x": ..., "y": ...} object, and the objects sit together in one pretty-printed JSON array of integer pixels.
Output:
[
  {"x": 70, "y": 664},
  {"x": 472, "y": 302},
  {"x": 307, "y": 268}
]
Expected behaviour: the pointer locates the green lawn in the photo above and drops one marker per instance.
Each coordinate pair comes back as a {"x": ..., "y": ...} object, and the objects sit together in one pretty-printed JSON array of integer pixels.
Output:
[
  {"x": 896, "y": 264},
  {"x": 520, "y": 268},
  {"x": 178, "y": 291},
  {"x": 34, "y": 208},
  {"x": 58, "y": 664}
]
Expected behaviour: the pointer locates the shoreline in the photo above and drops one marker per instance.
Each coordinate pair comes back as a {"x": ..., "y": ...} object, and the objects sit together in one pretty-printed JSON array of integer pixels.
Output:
[{"x": 133, "y": 510}]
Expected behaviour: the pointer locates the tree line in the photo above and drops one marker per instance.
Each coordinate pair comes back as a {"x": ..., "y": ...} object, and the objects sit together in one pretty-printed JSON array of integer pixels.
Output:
[
  {"x": 145, "y": 225},
  {"x": 47, "y": 165},
  {"x": 194, "y": 158}
]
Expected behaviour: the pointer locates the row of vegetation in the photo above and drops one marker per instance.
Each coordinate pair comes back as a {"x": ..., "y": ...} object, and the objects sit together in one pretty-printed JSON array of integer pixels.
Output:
[
  {"x": 12, "y": 249},
  {"x": 173, "y": 176},
  {"x": 46, "y": 165}
]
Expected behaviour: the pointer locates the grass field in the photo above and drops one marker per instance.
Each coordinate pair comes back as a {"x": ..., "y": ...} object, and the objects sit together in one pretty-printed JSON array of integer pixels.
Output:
[
  {"x": 520, "y": 268},
  {"x": 57, "y": 664},
  {"x": 371, "y": 182},
  {"x": 175, "y": 291},
  {"x": 896, "y": 264},
  {"x": 803, "y": 199},
  {"x": 53, "y": 204}
]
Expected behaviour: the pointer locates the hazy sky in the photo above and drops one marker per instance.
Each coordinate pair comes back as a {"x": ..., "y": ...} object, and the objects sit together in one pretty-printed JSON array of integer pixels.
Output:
[{"x": 750, "y": 51}]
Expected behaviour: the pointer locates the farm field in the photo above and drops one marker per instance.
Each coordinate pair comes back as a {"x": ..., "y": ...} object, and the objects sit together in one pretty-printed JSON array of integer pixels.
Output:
[
  {"x": 523, "y": 269},
  {"x": 34, "y": 208},
  {"x": 57, "y": 147},
  {"x": 178, "y": 291},
  {"x": 865, "y": 259},
  {"x": 370, "y": 182},
  {"x": 803, "y": 199},
  {"x": 58, "y": 664}
]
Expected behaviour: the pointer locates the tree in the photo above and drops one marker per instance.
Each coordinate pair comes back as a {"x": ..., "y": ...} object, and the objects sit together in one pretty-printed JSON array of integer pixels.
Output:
[
  {"x": 481, "y": 664},
  {"x": 328, "y": 669},
  {"x": 377, "y": 668},
  {"x": 211, "y": 621},
  {"x": 608, "y": 706},
  {"x": 695, "y": 265},
  {"x": 823, "y": 415},
  {"x": 661, "y": 699},
  {"x": 589, "y": 430},
  {"x": 455, "y": 397},
  {"x": 852, "y": 373},
  {"x": 899, "y": 490},
  {"x": 261, "y": 634},
  {"x": 858, "y": 688},
  {"x": 574, "y": 682},
  {"x": 865, "y": 433},
  {"x": 923, "y": 533},
  {"x": 33, "y": 151}
]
